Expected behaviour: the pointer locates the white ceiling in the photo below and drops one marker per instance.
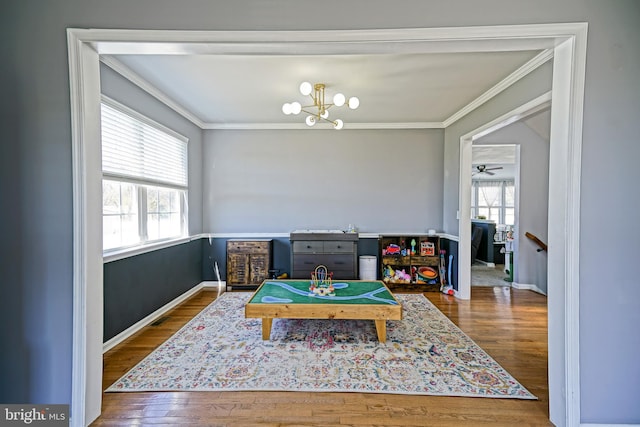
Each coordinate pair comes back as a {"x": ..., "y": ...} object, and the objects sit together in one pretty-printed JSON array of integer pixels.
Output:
[
  {"x": 402, "y": 88},
  {"x": 501, "y": 156}
]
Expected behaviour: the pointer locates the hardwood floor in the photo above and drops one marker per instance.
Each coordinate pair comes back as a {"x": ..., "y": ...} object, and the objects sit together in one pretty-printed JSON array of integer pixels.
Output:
[{"x": 509, "y": 324}]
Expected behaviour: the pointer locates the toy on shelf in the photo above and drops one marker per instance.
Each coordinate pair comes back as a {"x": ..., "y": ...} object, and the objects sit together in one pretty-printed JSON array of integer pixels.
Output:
[
  {"x": 321, "y": 282},
  {"x": 392, "y": 249},
  {"x": 427, "y": 249},
  {"x": 395, "y": 276}
]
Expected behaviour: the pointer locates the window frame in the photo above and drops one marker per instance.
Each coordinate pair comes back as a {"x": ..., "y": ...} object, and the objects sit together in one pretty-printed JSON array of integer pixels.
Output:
[
  {"x": 503, "y": 193},
  {"x": 141, "y": 186}
]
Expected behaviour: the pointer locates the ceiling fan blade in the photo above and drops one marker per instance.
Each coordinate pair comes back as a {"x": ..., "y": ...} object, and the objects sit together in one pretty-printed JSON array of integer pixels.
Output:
[
  {"x": 489, "y": 173},
  {"x": 493, "y": 169}
]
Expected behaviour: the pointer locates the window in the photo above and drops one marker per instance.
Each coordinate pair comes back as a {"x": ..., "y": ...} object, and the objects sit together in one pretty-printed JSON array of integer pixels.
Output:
[
  {"x": 144, "y": 179},
  {"x": 493, "y": 200}
]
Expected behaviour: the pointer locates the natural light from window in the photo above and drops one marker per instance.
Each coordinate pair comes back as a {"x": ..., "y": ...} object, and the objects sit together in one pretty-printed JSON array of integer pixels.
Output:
[
  {"x": 493, "y": 200},
  {"x": 144, "y": 186}
]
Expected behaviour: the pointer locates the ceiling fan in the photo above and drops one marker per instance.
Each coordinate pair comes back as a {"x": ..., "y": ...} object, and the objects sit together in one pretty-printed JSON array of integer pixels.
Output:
[{"x": 484, "y": 169}]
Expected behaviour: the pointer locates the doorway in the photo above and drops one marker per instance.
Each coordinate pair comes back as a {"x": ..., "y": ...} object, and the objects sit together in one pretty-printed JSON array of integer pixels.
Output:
[
  {"x": 494, "y": 211},
  {"x": 526, "y": 165},
  {"x": 569, "y": 44}
]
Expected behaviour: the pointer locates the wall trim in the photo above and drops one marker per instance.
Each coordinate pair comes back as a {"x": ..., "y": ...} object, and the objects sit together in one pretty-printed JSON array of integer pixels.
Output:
[
  {"x": 143, "y": 84},
  {"x": 501, "y": 86},
  {"x": 608, "y": 425},
  {"x": 564, "y": 220},
  {"x": 86, "y": 358},
  {"x": 529, "y": 287},
  {"x": 486, "y": 263},
  {"x": 302, "y": 126},
  {"x": 143, "y": 249},
  {"x": 139, "y": 325},
  {"x": 363, "y": 235}
]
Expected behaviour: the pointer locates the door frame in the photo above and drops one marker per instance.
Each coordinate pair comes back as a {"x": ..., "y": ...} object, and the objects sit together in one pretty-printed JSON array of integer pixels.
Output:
[
  {"x": 466, "y": 157},
  {"x": 568, "y": 40}
]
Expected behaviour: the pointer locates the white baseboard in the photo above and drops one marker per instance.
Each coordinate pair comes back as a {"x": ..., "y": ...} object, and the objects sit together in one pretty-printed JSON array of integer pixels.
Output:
[
  {"x": 609, "y": 425},
  {"x": 214, "y": 284},
  {"x": 485, "y": 263},
  {"x": 155, "y": 315},
  {"x": 525, "y": 286}
]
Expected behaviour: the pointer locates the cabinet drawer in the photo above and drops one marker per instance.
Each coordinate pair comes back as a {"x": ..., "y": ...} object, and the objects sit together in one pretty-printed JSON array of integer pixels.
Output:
[
  {"x": 248, "y": 246},
  {"x": 338, "y": 262},
  {"x": 306, "y": 262},
  {"x": 308, "y": 246},
  {"x": 332, "y": 262},
  {"x": 339, "y": 247}
]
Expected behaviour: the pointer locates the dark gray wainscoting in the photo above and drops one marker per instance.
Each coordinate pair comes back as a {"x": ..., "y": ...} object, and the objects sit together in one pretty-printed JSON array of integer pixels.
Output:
[{"x": 137, "y": 286}]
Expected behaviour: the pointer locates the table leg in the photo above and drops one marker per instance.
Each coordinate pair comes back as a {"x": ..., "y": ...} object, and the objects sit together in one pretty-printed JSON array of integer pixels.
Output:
[
  {"x": 381, "y": 329},
  {"x": 266, "y": 328}
]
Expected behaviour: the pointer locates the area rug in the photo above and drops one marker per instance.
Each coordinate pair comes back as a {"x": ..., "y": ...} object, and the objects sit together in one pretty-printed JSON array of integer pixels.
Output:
[{"x": 220, "y": 350}]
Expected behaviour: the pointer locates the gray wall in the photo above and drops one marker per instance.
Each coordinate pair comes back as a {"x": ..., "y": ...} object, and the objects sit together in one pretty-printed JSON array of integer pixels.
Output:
[
  {"x": 279, "y": 181},
  {"x": 36, "y": 261},
  {"x": 530, "y": 266}
]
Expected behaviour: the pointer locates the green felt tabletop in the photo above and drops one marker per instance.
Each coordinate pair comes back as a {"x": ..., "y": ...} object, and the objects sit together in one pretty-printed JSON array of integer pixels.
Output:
[{"x": 346, "y": 292}]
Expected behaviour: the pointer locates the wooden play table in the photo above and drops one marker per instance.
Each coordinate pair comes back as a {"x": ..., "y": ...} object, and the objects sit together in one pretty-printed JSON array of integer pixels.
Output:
[{"x": 354, "y": 299}]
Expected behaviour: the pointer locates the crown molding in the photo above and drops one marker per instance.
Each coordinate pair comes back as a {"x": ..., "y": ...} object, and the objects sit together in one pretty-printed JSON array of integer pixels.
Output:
[
  {"x": 321, "y": 126},
  {"x": 537, "y": 61},
  {"x": 143, "y": 84}
]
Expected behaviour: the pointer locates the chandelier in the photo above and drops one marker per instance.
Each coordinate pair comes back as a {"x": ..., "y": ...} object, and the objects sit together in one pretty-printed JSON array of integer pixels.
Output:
[{"x": 319, "y": 110}]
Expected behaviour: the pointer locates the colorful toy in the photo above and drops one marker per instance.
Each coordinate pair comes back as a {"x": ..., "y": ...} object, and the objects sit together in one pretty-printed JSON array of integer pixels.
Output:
[
  {"x": 395, "y": 276},
  {"x": 321, "y": 282},
  {"x": 448, "y": 289},
  {"x": 402, "y": 276},
  {"x": 427, "y": 248},
  {"x": 443, "y": 270},
  {"x": 392, "y": 249}
]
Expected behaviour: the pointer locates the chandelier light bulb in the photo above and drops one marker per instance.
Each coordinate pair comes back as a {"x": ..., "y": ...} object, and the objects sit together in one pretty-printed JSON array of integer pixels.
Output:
[
  {"x": 310, "y": 121},
  {"x": 318, "y": 109},
  {"x": 306, "y": 88},
  {"x": 296, "y": 108}
]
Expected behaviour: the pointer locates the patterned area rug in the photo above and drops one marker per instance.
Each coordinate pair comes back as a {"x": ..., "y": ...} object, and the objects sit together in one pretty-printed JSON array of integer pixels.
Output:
[{"x": 219, "y": 349}]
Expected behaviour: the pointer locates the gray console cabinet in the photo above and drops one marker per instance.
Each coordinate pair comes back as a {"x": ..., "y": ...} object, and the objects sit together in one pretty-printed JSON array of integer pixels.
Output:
[{"x": 337, "y": 251}]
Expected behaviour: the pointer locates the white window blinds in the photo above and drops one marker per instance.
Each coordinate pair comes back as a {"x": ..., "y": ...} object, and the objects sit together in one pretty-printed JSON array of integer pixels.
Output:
[{"x": 134, "y": 147}]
